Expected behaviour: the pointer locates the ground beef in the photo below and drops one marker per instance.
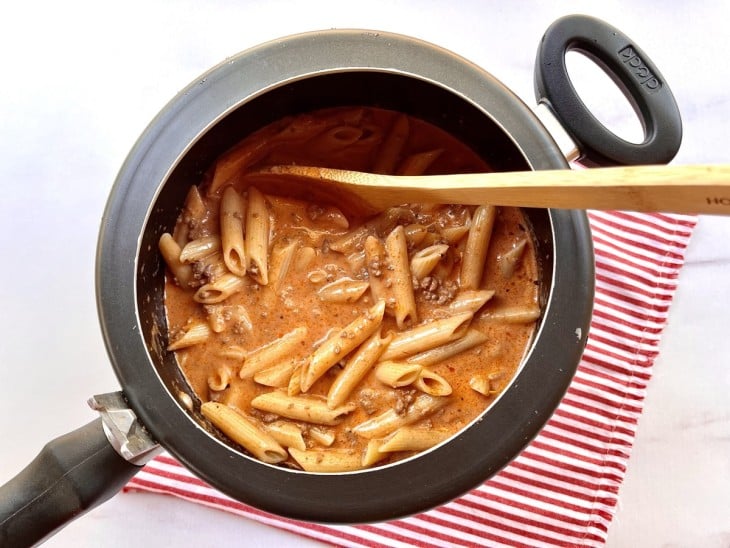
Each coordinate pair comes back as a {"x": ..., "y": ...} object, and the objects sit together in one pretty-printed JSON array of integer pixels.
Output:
[
  {"x": 404, "y": 399},
  {"x": 366, "y": 399}
]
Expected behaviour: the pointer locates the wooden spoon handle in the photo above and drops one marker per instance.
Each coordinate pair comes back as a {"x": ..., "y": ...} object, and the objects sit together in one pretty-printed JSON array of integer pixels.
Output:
[
  {"x": 676, "y": 189},
  {"x": 671, "y": 189}
]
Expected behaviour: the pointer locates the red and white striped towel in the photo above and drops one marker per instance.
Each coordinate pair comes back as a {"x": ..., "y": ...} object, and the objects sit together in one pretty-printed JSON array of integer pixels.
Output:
[{"x": 562, "y": 489}]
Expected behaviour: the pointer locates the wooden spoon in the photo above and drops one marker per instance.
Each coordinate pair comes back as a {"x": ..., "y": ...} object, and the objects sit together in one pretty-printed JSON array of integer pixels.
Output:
[{"x": 673, "y": 189}]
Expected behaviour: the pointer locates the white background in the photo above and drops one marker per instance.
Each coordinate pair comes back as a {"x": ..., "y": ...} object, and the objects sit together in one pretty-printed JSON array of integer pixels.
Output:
[{"x": 81, "y": 80}]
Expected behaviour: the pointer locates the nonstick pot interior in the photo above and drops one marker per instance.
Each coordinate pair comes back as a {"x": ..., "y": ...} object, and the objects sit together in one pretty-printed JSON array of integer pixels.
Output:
[{"x": 174, "y": 153}]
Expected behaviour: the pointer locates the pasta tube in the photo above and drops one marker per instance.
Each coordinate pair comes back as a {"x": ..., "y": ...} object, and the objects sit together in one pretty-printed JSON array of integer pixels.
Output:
[
  {"x": 287, "y": 434},
  {"x": 244, "y": 432},
  {"x": 302, "y": 408},
  {"x": 509, "y": 261},
  {"x": 516, "y": 314},
  {"x": 432, "y": 383},
  {"x": 277, "y": 375},
  {"x": 330, "y": 460},
  {"x": 477, "y": 245},
  {"x": 231, "y": 221},
  {"x": 426, "y": 336},
  {"x": 220, "y": 379},
  {"x": 425, "y": 260},
  {"x": 219, "y": 290},
  {"x": 281, "y": 263},
  {"x": 410, "y": 438},
  {"x": 196, "y": 332},
  {"x": 201, "y": 248},
  {"x": 322, "y": 436},
  {"x": 356, "y": 368},
  {"x": 395, "y": 374},
  {"x": 390, "y": 420},
  {"x": 340, "y": 344},
  {"x": 391, "y": 149},
  {"x": 418, "y": 163},
  {"x": 344, "y": 290},
  {"x": 273, "y": 352},
  {"x": 257, "y": 236},
  {"x": 170, "y": 251},
  {"x": 470, "y": 300},
  {"x": 396, "y": 249},
  {"x": 427, "y": 358}
]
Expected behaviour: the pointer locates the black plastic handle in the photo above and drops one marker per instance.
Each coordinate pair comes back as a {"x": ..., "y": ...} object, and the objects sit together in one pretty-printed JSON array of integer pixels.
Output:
[
  {"x": 70, "y": 476},
  {"x": 632, "y": 71}
]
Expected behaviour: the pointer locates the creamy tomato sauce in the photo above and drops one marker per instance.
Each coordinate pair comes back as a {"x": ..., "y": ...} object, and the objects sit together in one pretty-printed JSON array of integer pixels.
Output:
[{"x": 308, "y": 237}]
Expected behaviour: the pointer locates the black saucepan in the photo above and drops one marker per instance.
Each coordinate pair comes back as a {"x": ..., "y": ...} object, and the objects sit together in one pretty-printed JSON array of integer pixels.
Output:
[{"x": 297, "y": 74}]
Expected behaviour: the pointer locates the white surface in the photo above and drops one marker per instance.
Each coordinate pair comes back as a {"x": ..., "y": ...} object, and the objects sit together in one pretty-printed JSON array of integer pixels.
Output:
[{"x": 81, "y": 80}]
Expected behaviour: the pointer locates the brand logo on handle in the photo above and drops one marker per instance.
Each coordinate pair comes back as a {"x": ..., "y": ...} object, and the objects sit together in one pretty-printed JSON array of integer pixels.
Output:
[
  {"x": 639, "y": 69},
  {"x": 718, "y": 201}
]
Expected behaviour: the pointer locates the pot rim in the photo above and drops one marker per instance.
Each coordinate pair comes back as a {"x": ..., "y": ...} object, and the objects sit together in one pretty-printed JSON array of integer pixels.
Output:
[{"x": 405, "y": 487}]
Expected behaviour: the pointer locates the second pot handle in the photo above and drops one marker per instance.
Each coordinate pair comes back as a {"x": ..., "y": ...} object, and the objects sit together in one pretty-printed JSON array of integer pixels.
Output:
[{"x": 632, "y": 71}]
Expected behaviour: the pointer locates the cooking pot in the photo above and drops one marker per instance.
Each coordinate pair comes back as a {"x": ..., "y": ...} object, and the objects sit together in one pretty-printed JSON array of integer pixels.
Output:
[{"x": 156, "y": 407}]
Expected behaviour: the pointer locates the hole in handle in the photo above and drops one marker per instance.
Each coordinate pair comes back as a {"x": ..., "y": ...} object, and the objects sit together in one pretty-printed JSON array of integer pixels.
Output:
[{"x": 603, "y": 98}]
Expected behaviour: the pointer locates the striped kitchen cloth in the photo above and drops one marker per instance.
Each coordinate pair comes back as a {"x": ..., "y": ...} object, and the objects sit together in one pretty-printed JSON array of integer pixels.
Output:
[{"x": 563, "y": 488}]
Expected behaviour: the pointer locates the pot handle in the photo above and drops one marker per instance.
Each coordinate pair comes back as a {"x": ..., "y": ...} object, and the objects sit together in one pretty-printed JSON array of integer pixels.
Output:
[
  {"x": 632, "y": 71},
  {"x": 71, "y": 475}
]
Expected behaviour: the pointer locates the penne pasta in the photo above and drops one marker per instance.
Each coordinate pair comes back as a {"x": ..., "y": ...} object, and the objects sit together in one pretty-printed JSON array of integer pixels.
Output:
[
  {"x": 390, "y": 420},
  {"x": 396, "y": 250},
  {"x": 321, "y": 436},
  {"x": 272, "y": 353},
  {"x": 287, "y": 434},
  {"x": 415, "y": 234},
  {"x": 294, "y": 388},
  {"x": 397, "y": 374},
  {"x": 418, "y": 163},
  {"x": 277, "y": 375},
  {"x": 426, "y": 336},
  {"x": 281, "y": 262},
  {"x": 222, "y": 315},
  {"x": 304, "y": 257},
  {"x": 356, "y": 368},
  {"x": 453, "y": 234},
  {"x": 231, "y": 221},
  {"x": 372, "y": 453},
  {"x": 193, "y": 213},
  {"x": 477, "y": 245},
  {"x": 170, "y": 251},
  {"x": 410, "y": 438},
  {"x": 233, "y": 352},
  {"x": 509, "y": 261},
  {"x": 221, "y": 379},
  {"x": 331, "y": 460},
  {"x": 244, "y": 431},
  {"x": 195, "y": 332},
  {"x": 340, "y": 344},
  {"x": 356, "y": 260},
  {"x": 516, "y": 314},
  {"x": 219, "y": 290},
  {"x": 257, "y": 236},
  {"x": 470, "y": 301},
  {"x": 471, "y": 339},
  {"x": 375, "y": 263},
  {"x": 487, "y": 384},
  {"x": 425, "y": 260},
  {"x": 201, "y": 248},
  {"x": 344, "y": 290},
  {"x": 312, "y": 409},
  {"x": 391, "y": 149},
  {"x": 432, "y": 383},
  {"x": 383, "y": 223}
]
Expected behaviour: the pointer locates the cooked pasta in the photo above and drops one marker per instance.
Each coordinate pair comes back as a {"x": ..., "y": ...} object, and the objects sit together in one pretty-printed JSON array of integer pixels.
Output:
[{"x": 327, "y": 342}]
